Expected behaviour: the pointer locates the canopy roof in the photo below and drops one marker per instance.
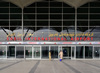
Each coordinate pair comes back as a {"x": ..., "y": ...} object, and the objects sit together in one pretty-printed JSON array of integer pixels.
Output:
[
  {"x": 76, "y": 3},
  {"x": 73, "y": 3}
]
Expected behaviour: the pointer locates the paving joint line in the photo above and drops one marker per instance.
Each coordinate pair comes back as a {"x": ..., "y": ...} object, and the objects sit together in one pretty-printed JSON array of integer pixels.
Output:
[
  {"x": 9, "y": 65},
  {"x": 73, "y": 69},
  {"x": 34, "y": 67},
  {"x": 90, "y": 64}
]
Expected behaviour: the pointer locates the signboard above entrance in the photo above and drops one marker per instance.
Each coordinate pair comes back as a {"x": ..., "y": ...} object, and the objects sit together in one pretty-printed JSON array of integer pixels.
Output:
[{"x": 48, "y": 43}]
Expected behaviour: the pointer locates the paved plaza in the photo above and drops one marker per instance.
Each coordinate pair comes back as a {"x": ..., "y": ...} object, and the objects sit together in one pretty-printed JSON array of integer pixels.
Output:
[{"x": 46, "y": 66}]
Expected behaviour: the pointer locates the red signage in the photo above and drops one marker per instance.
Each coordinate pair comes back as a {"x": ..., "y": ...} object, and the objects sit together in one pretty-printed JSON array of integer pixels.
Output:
[{"x": 50, "y": 39}]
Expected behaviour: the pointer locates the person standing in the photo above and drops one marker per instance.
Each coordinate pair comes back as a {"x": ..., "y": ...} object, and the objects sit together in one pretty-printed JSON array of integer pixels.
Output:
[
  {"x": 50, "y": 55},
  {"x": 61, "y": 55}
]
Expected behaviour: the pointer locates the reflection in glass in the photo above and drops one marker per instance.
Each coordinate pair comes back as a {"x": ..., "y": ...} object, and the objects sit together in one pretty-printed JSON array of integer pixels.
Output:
[
  {"x": 79, "y": 52},
  {"x": 45, "y": 51},
  {"x": 88, "y": 51},
  {"x": 2, "y": 52},
  {"x": 11, "y": 51},
  {"x": 19, "y": 51},
  {"x": 54, "y": 51},
  {"x": 36, "y": 52},
  {"x": 28, "y": 52},
  {"x": 96, "y": 52},
  {"x": 66, "y": 52}
]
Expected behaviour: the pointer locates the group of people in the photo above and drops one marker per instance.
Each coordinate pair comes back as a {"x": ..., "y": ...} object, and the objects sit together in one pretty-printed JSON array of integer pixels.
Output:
[{"x": 60, "y": 55}]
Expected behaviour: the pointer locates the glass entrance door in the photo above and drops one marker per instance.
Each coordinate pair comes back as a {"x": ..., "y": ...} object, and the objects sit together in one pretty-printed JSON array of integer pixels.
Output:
[
  {"x": 19, "y": 51},
  {"x": 66, "y": 52},
  {"x": 28, "y": 51},
  {"x": 37, "y": 52},
  {"x": 97, "y": 52},
  {"x": 54, "y": 51},
  {"x": 11, "y": 52},
  {"x": 45, "y": 52}
]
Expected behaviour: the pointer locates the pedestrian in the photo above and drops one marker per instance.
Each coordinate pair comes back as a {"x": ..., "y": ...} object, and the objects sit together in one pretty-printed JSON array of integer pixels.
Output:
[
  {"x": 50, "y": 55},
  {"x": 61, "y": 55}
]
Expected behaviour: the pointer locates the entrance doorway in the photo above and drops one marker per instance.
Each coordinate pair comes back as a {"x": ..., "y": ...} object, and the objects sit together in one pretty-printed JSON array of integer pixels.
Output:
[
  {"x": 19, "y": 51},
  {"x": 11, "y": 52},
  {"x": 54, "y": 51},
  {"x": 28, "y": 51},
  {"x": 37, "y": 52},
  {"x": 45, "y": 52},
  {"x": 66, "y": 52}
]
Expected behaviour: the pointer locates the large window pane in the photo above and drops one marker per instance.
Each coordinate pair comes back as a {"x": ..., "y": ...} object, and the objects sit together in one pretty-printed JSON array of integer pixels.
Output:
[
  {"x": 15, "y": 10},
  {"x": 2, "y": 52},
  {"x": 4, "y": 16},
  {"x": 42, "y": 4},
  {"x": 29, "y": 16},
  {"x": 95, "y": 4},
  {"x": 11, "y": 52},
  {"x": 4, "y": 4},
  {"x": 68, "y": 16},
  {"x": 15, "y": 16},
  {"x": 79, "y": 51},
  {"x": 55, "y": 10},
  {"x": 29, "y": 10},
  {"x": 15, "y": 23},
  {"x": 88, "y": 52},
  {"x": 94, "y": 10},
  {"x": 82, "y": 16},
  {"x": 94, "y": 23},
  {"x": 68, "y": 23},
  {"x": 4, "y": 10},
  {"x": 54, "y": 51},
  {"x": 55, "y": 16},
  {"x": 55, "y": 23},
  {"x": 42, "y": 10},
  {"x": 19, "y": 51},
  {"x": 82, "y": 10},
  {"x": 36, "y": 52},
  {"x": 45, "y": 51},
  {"x": 68, "y": 10},
  {"x": 82, "y": 23},
  {"x": 29, "y": 23},
  {"x": 96, "y": 52},
  {"x": 42, "y": 16},
  {"x": 28, "y": 52},
  {"x": 42, "y": 23},
  {"x": 55, "y": 4},
  {"x": 4, "y": 23}
]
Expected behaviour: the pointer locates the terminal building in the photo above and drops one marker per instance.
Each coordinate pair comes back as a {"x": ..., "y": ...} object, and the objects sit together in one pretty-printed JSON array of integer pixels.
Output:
[{"x": 29, "y": 29}]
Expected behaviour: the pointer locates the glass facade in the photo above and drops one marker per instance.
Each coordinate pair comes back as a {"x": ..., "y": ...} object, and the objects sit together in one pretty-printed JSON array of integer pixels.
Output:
[
  {"x": 42, "y": 52},
  {"x": 50, "y": 21}
]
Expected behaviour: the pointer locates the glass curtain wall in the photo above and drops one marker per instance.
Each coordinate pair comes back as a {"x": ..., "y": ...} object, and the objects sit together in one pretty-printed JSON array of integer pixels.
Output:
[
  {"x": 10, "y": 22},
  {"x": 49, "y": 17}
]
